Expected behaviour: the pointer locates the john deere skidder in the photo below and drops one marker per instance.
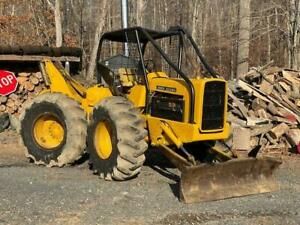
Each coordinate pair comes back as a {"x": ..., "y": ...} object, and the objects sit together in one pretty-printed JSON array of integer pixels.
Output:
[{"x": 154, "y": 88}]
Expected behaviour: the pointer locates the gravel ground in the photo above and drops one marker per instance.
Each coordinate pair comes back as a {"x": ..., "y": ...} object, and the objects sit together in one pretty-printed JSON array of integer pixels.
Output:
[{"x": 33, "y": 194}]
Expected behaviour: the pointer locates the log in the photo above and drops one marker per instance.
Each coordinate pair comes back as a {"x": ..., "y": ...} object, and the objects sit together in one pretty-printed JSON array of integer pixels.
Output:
[
  {"x": 271, "y": 139},
  {"x": 266, "y": 87},
  {"x": 241, "y": 139},
  {"x": 10, "y": 103},
  {"x": 285, "y": 86},
  {"x": 293, "y": 137},
  {"x": 38, "y": 89},
  {"x": 2, "y": 108},
  {"x": 266, "y": 97},
  {"x": 252, "y": 90},
  {"x": 279, "y": 89},
  {"x": 18, "y": 103},
  {"x": 272, "y": 109},
  {"x": 232, "y": 119},
  {"x": 20, "y": 89},
  {"x": 254, "y": 121},
  {"x": 28, "y": 86},
  {"x": 278, "y": 131},
  {"x": 3, "y": 99},
  {"x": 278, "y": 146},
  {"x": 38, "y": 75},
  {"x": 290, "y": 76},
  {"x": 23, "y": 74},
  {"x": 272, "y": 70},
  {"x": 262, "y": 114},
  {"x": 40, "y": 50},
  {"x": 258, "y": 130},
  {"x": 290, "y": 104},
  {"x": 295, "y": 92},
  {"x": 13, "y": 96},
  {"x": 256, "y": 72},
  {"x": 34, "y": 80},
  {"x": 254, "y": 141},
  {"x": 22, "y": 80},
  {"x": 10, "y": 110},
  {"x": 251, "y": 113},
  {"x": 284, "y": 120},
  {"x": 258, "y": 104},
  {"x": 239, "y": 104}
]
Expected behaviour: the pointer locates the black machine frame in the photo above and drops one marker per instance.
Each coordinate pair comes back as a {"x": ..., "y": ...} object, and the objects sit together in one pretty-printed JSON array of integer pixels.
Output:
[{"x": 141, "y": 37}]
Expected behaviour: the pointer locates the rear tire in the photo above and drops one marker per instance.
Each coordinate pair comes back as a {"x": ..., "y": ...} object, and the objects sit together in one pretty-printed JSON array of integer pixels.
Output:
[
  {"x": 124, "y": 155},
  {"x": 53, "y": 130}
]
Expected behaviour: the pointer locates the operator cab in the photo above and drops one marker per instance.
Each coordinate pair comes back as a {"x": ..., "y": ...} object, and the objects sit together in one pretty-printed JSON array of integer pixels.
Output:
[
  {"x": 129, "y": 57},
  {"x": 126, "y": 56}
]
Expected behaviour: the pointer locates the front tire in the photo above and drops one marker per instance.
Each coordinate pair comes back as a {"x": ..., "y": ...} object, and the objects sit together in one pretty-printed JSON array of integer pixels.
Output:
[
  {"x": 116, "y": 139},
  {"x": 53, "y": 130}
]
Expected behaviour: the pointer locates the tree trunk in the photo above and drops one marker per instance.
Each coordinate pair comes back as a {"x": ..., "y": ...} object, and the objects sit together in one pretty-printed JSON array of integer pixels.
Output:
[
  {"x": 58, "y": 24},
  {"x": 140, "y": 9},
  {"x": 101, "y": 24},
  {"x": 294, "y": 23},
  {"x": 269, "y": 40},
  {"x": 195, "y": 19},
  {"x": 244, "y": 36}
]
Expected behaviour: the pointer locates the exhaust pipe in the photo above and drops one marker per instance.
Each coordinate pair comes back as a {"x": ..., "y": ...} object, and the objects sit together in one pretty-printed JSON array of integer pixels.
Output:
[{"x": 124, "y": 9}]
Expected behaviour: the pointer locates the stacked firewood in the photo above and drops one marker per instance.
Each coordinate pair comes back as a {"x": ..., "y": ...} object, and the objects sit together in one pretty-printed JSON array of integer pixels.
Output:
[
  {"x": 29, "y": 85},
  {"x": 264, "y": 109}
]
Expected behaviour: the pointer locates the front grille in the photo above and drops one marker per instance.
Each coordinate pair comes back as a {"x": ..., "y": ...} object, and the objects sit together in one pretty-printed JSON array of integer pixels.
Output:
[{"x": 213, "y": 105}]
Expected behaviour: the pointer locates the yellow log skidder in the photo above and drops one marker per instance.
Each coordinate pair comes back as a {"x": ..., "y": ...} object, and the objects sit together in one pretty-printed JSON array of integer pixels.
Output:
[{"x": 135, "y": 104}]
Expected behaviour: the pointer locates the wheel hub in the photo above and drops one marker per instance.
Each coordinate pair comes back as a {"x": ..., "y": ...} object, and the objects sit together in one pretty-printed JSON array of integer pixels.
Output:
[
  {"x": 48, "y": 132},
  {"x": 102, "y": 140}
]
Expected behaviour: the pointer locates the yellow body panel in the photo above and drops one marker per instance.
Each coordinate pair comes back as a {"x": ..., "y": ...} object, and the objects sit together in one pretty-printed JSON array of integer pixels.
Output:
[
  {"x": 137, "y": 96},
  {"x": 184, "y": 131},
  {"x": 59, "y": 83},
  {"x": 93, "y": 96},
  {"x": 65, "y": 84}
]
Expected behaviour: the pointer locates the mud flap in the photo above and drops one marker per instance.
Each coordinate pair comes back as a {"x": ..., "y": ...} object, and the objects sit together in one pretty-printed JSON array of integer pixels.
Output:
[{"x": 234, "y": 178}]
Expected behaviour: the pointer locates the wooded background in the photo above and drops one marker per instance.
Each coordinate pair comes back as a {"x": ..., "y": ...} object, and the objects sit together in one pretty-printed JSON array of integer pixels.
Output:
[{"x": 233, "y": 34}]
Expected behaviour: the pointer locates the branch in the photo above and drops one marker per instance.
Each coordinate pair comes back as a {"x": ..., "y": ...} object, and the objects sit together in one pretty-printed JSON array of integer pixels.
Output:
[{"x": 52, "y": 7}]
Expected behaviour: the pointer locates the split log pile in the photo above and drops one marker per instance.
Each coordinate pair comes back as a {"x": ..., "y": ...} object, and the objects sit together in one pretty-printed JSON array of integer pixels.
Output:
[
  {"x": 264, "y": 110},
  {"x": 30, "y": 84}
]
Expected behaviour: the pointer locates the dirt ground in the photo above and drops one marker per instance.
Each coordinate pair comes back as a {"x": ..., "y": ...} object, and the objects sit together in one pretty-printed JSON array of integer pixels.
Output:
[{"x": 31, "y": 194}]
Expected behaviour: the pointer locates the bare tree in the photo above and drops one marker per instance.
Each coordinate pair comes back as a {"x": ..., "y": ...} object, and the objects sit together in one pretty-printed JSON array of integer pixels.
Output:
[
  {"x": 58, "y": 22},
  {"x": 294, "y": 29},
  {"x": 100, "y": 27},
  {"x": 215, "y": 25},
  {"x": 140, "y": 9},
  {"x": 244, "y": 37}
]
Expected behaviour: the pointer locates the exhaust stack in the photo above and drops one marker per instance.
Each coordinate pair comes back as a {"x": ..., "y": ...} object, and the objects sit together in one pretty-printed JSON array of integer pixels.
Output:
[{"x": 124, "y": 9}]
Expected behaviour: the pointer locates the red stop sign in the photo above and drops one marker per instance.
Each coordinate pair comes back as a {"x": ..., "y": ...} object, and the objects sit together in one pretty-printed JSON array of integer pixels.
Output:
[{"x": 8, "y": 82}]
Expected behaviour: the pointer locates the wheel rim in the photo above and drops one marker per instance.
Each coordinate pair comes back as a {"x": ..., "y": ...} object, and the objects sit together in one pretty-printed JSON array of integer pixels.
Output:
[
  {"x": 49, "y": 132},
  {"x": 102, "y": 140}
]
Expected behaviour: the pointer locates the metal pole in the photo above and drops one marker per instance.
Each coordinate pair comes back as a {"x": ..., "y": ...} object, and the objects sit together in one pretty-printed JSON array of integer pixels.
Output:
[{"x": 124, "y": 6}]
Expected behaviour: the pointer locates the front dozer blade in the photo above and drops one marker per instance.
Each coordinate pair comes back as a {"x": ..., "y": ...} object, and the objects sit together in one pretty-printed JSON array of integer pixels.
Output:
[{"x": 234, "y": 178}]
